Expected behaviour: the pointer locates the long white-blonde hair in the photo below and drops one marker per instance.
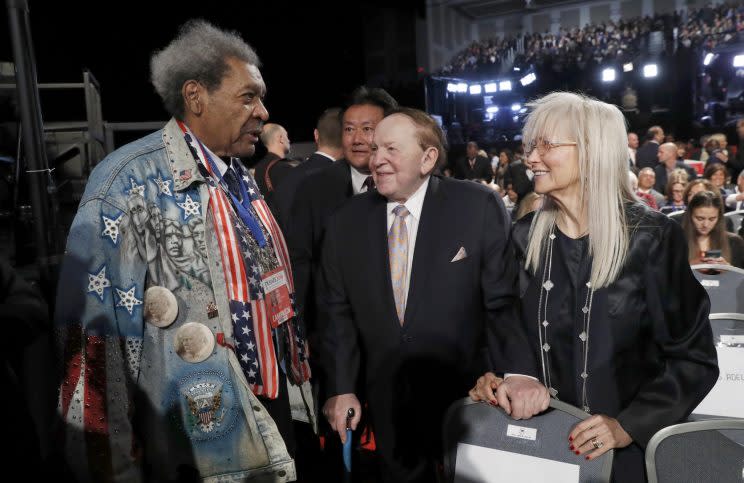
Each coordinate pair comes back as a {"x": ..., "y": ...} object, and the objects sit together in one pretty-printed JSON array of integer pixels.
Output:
[{"x": 602, "y": 142}]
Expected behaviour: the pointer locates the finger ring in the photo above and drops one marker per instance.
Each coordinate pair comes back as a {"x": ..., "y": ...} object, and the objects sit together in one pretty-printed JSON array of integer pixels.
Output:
[{"x": 597, "y": 444}]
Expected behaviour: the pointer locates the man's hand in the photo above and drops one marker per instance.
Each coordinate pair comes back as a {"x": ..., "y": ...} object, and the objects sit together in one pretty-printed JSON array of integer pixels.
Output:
[
  {"x": 335, "y": 410},
  {"x": 522, "y": 397}
]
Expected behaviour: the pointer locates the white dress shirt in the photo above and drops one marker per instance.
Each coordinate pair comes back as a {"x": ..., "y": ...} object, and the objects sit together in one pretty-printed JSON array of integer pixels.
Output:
[
  {"x": 357, "y": 180},
  {"x": 326, "y": 155},
  {"x": 731, "y": 200},
  {"x": 414, "y": 205}
]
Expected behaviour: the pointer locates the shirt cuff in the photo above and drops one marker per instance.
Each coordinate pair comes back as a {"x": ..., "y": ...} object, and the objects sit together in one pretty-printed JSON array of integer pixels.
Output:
[{"x": 507, "y": 375}]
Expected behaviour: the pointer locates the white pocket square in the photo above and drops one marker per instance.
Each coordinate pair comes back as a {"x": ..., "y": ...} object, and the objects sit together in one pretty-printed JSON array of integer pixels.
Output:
[{"x": 461, "y": 254}]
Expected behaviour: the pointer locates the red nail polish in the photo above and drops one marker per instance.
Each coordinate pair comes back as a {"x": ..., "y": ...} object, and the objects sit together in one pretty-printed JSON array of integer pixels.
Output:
[
  {"x": 576, "y": 452},
  {"x": 587, "y": 457},
  {"x": 570, "y": 438},
  {"x": 572, "y": 447}
]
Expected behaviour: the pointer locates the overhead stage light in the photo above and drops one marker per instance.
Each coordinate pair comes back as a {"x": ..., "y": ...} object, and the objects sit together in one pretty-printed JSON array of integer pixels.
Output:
[
  {"x": 492, "y": 109},
  {"x": 608, "y": 75},
  {"x": 451, "y": 87},
  {"x": 475, "y": 89},
  {"x": 739, "y": 61},
  {"x": 708, "y": 58},
  {"x": 528, "y": 79},
  {"x": 491, "y": 87},
  {"x": 516, "y": 107},
  {"x": 462, "y": 87},
  {"x": 505, "y": 85},
  {"x": 650, "y": 70},
  {"x": 628, "y": 67}
]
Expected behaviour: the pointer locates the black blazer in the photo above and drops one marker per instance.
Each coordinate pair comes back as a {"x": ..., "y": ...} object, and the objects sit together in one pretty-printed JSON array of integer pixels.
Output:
[
  {"x": 647, "y": 155},
  {"x": 284, "y": 194},
  {"x": 480, "y": 170},
  {"x": 318, "y": 196},
  {"x": 661, "y": 175},
  {"x": 652, "y": 358},
  {"x": 415, "y": 371}
]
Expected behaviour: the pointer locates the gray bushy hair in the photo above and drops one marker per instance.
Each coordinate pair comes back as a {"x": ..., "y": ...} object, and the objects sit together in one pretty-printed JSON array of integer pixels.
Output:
[{"x": 199, "y": 52}]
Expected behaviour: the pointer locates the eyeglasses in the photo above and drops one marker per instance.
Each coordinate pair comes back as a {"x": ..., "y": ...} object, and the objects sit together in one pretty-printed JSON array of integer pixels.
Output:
[{"x": 543, "y": 146}]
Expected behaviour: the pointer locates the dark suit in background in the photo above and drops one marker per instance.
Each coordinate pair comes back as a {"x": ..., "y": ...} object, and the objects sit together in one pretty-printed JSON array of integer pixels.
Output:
[
  {"x": 278, "y": 172},
  {"x": 481, "y": 169},
  {"x": 647, "y": 155},
  {"x": 662, "y": 179},
  {"x": 413, "y": 372},
  {"x": 284, "y": 194}
]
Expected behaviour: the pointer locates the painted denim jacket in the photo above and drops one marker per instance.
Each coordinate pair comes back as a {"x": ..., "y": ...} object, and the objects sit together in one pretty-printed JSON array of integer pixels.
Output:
[{"x": 133, "y": 408}]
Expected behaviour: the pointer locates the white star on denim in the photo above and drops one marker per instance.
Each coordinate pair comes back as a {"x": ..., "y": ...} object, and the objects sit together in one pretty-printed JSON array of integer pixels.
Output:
[
  {"x": 189, "y": 207},
  {"x": 136, "y": 188},
  {"x": 127, "y": 299},
  {"x": 163, "y": 186},
  {"x": 246, "y": 314},
  {"x": 111, "y": 227},
  {"x": 251, "y": 345},
  {"x": 98, "y": 282},
  {"x": 244, "y": 358}
]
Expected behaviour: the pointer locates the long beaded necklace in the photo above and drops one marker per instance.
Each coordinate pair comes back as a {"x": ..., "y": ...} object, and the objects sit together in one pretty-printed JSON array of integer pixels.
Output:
[{"x": 543, "y": 324}]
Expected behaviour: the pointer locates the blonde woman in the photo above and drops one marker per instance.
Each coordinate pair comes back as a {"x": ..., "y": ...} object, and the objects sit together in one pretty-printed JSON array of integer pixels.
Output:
[{"x": 616, "y": 321}]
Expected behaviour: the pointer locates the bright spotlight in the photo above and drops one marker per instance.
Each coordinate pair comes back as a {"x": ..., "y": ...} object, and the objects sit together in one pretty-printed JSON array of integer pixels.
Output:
[
  {"x": 516, "y": 107},
  {"x": 462, "y": 87},
  {"x": 491, "y": 87},
  {"x": 608, "y": 75},
  {"x": 739, "y": 61},
  {"x": 492, "y": 109},
  {"x": 475, "y": 89},
  {"x": 628, "y": 67},
  {"x": 517, "y": 69},
  {"x": 505, "y": 85},
  {"x": 451, "y": 87},
  {"x": 650, "y": 70},
  {"x": 528, "y": 79},
  {"x": 708, "y": 58}
]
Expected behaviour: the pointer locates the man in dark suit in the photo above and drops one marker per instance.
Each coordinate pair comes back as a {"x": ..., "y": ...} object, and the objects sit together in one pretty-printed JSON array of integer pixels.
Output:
[
  {"x": 320, "y": 194},
  {"x": 473, "y": 166},
  {"x": 275, "y": 166},
  {"x": 667, "y": 164},
  {"x": 415, "y": 287},
  {"x": 646, "y": 154},
  {"x": 327, "y": 136}
]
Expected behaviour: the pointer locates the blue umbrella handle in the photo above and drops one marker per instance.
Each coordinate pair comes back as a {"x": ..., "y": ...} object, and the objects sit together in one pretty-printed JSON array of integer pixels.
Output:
[{"x": 347, "y": 445}]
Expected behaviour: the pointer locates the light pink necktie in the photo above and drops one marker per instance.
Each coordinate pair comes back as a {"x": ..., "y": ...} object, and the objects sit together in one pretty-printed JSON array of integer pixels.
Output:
[{"x": 398, "y": 253}]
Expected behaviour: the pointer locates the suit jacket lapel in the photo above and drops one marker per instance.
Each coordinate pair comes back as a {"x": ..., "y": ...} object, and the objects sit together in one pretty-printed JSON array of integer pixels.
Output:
[
  {"x": 380, "y": 263},
  {"x": 427, "y": 241}
]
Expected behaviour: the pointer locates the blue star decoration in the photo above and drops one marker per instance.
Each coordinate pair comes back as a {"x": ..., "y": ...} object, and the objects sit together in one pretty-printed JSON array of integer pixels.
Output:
[
  {"x": 189, "y": 207},
  {"x": 127, "y": 299},
  {"x": 98, "y": 283},
  {"x": 163, "y": 185},
  {"x": 111, "y": 228},
  {"x": 136, "y": 188}
]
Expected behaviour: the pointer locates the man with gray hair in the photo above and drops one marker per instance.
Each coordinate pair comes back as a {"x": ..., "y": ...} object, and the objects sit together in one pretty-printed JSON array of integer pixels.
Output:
[
  {"x": 133, "y": 406},
  {"x": 646, "y": 181}
]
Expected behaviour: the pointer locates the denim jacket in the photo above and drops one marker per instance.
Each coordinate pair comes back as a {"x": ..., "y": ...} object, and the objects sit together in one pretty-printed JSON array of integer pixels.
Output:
[{"x": 133, "y": 408}]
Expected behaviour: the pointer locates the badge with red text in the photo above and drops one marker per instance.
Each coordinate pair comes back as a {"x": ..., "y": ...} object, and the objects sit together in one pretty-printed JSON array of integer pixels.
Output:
[{"x": 278, "y": 304}]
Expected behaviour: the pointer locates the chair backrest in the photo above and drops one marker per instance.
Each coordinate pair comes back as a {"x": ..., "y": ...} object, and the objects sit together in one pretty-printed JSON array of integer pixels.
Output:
[
  {"x": 726, "y": 399},
  {"x": 697, "y": 452},
  {"x": 676, "y": 215},
  {"x": 725, "y": 287},
  {"x": 526, "y": 450},
  {"x": 736, "y": 217}
]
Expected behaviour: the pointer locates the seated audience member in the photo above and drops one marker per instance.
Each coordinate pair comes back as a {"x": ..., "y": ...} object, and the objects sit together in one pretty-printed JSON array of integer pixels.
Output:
[
  {"x": 735, "y": 200},
  {"x": 707, "y": 238},
  {"x": 595, "y": 242},
  {"x": 681, "y": 150},
  {"x": 716, "y": 173},
  {"x": 473, "y": 165},
  {"x": 716, "y": 149},
  {"x": 645, "y": 197},
  {"x": 531, "y": 202},
  {"x": 510, "y": 198},
  {"x": 646, "y": 182},
  {"x": 696, "y": 186},
  {"x": 676, "y": 196},
  {"x": 505, "y": 160}
]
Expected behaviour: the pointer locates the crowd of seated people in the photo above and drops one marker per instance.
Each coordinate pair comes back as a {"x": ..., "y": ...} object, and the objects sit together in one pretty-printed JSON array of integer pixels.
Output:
[{"x": 620, "y": 40}]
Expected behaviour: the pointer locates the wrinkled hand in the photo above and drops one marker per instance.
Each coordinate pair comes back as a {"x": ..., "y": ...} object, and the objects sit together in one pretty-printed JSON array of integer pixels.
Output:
[
  {"x": 485, "y": 387},
  {"x": 606, "y": 430},
  {"x": 522, "y": 397},
  {"x": 335, "y": 410}
]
